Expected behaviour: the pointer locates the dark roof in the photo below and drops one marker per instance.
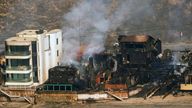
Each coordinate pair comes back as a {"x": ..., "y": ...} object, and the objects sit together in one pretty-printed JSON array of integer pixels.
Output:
[{"x": 134, "y": 38}]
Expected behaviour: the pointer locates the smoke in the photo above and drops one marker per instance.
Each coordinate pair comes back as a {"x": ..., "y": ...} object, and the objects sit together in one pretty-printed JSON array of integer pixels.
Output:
[
  {"x": 135, "y": 16},
  {"x": 89, "y": 22},
  {"x": 176, "y": 58},
  {"x": 179, "y": 65},
  {"x": 86, "y": 26},
  {"x": 132, "y": 14}
]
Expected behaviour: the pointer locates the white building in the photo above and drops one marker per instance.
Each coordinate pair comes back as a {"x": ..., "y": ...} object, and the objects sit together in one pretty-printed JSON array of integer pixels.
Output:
[{"x": 30, "y": 55}]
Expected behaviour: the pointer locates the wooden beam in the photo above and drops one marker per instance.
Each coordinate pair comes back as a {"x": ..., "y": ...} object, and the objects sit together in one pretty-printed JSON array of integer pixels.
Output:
[{"x": 114, "y": 96}]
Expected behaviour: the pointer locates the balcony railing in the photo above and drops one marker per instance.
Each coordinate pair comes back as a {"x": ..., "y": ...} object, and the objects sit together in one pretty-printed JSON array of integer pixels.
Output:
[
  {"x": 24, "y": 53},
  {"x": 19, "y": 80},
  {"x": 18, "y": 68}
]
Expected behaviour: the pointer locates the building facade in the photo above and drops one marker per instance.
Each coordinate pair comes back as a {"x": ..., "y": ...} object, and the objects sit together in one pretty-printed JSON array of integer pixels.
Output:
[{"x": 30, "y": 54}]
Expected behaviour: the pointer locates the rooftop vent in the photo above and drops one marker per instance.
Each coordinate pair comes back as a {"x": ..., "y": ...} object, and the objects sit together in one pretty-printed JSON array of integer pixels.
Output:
[{"x": 40, "y": 31}]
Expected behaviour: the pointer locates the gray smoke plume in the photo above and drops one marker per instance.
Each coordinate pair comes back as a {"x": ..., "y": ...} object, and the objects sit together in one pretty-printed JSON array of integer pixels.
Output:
[
  {"x": 131, "y": 14},
  {"x": 177, "y": 61},
  {"x": 89, "y": 22},
  {"x": 86, "y": 26}
]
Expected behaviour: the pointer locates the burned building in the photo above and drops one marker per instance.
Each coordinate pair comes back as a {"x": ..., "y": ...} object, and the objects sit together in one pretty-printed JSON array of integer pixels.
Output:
[
  {"x": 138, "y": 49},
  {"x": 61, "y": 78},
  {"x": 129, "y": 64}
]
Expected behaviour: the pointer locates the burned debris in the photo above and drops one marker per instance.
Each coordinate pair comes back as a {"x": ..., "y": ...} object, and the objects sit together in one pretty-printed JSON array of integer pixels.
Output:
[
  {"x": 136, "y": 60},
  {"x": 62, "y": 78},
  {"x": 62, "y": 74}
]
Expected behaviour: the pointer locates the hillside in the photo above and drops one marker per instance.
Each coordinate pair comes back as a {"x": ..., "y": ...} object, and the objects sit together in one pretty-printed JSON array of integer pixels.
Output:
[{"x": 165, "y": 19}]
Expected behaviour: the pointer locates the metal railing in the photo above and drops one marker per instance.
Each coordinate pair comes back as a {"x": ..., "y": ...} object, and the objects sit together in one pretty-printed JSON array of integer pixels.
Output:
[
  {"x": 19, "y": 80},
  {"x": 19, "y": 87},
  {"x": 57, "y": 87}
]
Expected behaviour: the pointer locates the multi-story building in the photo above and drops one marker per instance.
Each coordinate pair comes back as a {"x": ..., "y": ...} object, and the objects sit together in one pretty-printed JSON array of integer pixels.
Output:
[{"x": 30, "y": 54}]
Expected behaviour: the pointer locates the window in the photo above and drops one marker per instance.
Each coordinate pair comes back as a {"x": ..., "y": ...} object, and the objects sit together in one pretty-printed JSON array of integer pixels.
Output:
[
  {"x": 57, "y": 41},
  {"x": 35, "y": 73},
  {"x": 25, "y": 76},
  {"x": 7, "y": 76},
  {"x": 12, "y": 76},
  {"x": 19, "y": 62},
  {"x": 19, "y": 48},
  {"x": 34, "y": 47},
  {"x": 57, "y": 52}
]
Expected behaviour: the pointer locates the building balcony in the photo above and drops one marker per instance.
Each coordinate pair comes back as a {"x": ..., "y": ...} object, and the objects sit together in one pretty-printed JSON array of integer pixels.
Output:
[
  {"x": 19, "y": 80},
  {"x": 24, "y": 81},
  {"x": 18, "y": 55},
  {"x": 18, "y": 69}
]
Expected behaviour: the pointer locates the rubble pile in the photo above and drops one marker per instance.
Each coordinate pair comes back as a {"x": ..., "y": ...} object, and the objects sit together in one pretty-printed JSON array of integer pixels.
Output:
[{"x": 62, "y": 74}]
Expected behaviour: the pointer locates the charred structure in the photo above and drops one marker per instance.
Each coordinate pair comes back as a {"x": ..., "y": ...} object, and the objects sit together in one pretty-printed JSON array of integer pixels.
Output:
[
  {"x": 136, "y": 60},
  {"x": 62, "y": 78},
  {"x": 186, "y": 76},
  {"x": 62, "y": 75},
  {"x": 132, "y": 61},
  {"x": 138, "y": 49}
]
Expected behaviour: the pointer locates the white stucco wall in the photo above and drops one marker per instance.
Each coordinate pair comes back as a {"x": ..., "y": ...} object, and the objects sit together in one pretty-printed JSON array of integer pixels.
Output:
[{"x": 46, "y": 51}]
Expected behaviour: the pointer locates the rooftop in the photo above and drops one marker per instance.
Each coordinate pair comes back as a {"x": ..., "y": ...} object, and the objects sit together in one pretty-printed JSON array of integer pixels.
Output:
[
  {"x": 55, "y": 30},
  {"x": 30, "y": 33},
  {"x": 21, "y": 39}
]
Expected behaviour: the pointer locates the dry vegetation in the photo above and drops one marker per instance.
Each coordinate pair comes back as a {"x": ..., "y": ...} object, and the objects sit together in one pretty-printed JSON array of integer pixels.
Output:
[
  {"x": 28, "y": 14},
  {"x": 167, "y": 16},
  {"x": 4, "y": 8}
]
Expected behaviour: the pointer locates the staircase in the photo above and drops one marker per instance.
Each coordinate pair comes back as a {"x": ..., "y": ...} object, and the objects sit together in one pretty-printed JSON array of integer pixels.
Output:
[{"x": 11, "y": 97}]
